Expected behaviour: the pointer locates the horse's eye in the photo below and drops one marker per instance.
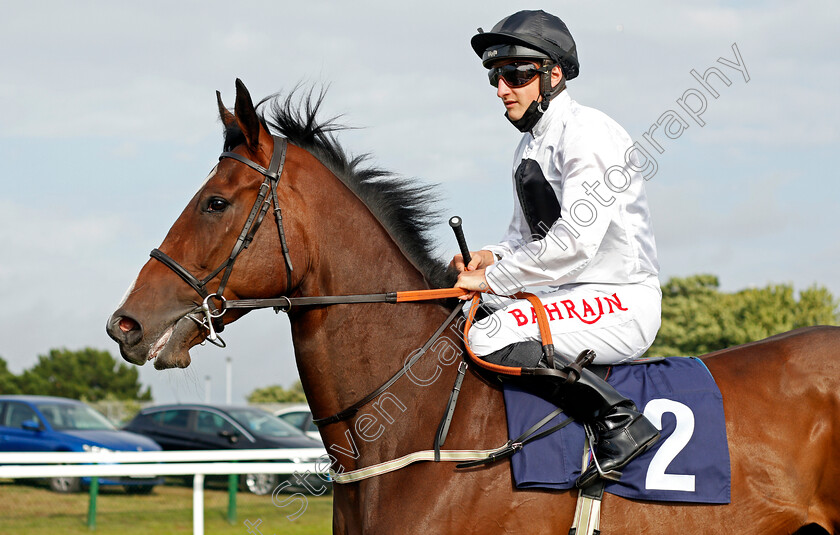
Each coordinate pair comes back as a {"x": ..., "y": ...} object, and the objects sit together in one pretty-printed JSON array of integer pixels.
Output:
[{"x": 217, "y": 204}]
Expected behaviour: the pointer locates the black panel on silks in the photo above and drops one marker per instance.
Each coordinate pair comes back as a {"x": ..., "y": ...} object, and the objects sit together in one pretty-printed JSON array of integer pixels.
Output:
[{"x": 536, "y": 196}]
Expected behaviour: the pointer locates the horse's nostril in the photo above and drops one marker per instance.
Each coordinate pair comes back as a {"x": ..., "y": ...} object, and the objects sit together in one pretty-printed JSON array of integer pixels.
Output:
[
  {"x": 124, "y": 329},
  {"x": 127, "y": 325}
]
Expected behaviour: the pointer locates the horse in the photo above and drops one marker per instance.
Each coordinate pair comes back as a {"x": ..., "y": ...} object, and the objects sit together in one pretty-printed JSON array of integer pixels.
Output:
[{"x": 347, "y": 228}]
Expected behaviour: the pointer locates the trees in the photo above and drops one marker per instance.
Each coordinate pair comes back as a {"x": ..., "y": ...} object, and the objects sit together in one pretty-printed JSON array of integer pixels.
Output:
[
  {"x": 88, "y": 374},
  {"x": 697, "y": 318},
  {"x": 8, "y": 384},
  {"x": 278, "y": 394}
]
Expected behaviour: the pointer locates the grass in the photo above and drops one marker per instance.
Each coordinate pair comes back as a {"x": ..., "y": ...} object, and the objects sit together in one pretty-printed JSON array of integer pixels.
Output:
[{"x": 31, "y": 510}]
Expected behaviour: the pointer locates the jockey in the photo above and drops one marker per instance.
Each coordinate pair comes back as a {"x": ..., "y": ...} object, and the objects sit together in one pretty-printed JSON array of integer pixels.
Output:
[{"x": 580, "y": 227}]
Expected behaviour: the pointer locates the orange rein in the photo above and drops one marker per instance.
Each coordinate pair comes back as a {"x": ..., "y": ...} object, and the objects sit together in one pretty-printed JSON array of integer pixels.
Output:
[
  {"x": 443, "y": 293},
  {"x": 427, "y": 295}
]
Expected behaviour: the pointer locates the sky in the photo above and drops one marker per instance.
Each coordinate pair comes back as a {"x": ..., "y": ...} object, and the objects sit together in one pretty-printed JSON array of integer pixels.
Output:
[{"x": 109, "y": 126}]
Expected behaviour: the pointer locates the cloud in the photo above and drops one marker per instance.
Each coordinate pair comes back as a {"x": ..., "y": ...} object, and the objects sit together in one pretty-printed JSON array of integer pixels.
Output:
[
  {"x": 52, "y": 231},
  {"x": 123, "y": 93}
]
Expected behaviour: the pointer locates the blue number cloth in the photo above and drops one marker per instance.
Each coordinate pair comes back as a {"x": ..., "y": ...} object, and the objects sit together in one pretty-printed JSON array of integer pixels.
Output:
[{"x": 690, "y": 463}]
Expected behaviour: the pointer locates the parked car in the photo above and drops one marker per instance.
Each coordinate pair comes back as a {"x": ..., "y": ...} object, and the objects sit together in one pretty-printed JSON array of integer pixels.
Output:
[
  {"x": 209, "y": 427},
  {"x": 43, "y": 423},
  {"x": 301, "y": 417}
]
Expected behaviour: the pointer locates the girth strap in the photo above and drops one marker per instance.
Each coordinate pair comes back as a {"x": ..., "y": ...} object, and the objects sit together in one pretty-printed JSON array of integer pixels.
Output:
[
  {"x": 471, "y": 456},
  {"x": 587, "y": 519}
]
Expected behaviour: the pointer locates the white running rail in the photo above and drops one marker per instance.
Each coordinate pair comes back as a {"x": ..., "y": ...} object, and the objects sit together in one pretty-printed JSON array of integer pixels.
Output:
[{"x": 16, "y": 465}]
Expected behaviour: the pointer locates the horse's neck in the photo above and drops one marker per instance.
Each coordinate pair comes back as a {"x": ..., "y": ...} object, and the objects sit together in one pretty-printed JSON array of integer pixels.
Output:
[{"x": 345, "y": 352}]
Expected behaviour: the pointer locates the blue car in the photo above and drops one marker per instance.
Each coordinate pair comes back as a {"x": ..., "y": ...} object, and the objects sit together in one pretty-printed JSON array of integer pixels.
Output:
[{"x": 42, "y": 423}]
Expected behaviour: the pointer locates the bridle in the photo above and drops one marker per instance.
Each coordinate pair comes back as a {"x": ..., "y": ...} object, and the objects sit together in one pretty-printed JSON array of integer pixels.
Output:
[
  {"x": 212, "y": 314},
  {"x": 267, "y": 195}
]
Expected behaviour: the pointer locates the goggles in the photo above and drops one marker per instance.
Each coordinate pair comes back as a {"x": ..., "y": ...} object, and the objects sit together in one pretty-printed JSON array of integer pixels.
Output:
[{"x": 515, "y": 74}]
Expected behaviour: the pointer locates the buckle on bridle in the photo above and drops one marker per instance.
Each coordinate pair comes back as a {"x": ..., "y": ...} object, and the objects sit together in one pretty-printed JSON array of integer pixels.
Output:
[{"x": 211, "y": 313}]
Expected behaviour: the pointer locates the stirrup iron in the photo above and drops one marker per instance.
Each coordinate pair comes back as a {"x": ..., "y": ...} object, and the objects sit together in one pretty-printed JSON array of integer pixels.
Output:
[{"x": 610, "y": 475}]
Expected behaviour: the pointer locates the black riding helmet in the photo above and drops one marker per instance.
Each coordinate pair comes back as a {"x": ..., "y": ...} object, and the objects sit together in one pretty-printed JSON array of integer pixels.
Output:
[
  {"x": 531, "y": 31},
  {"x": 533, "y": 35}
]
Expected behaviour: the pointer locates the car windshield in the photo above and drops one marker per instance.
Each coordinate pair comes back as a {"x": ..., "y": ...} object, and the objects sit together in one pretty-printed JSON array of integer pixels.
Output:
[
  {"x": 295, "y": 418},
  {"x": 69, "y": 417},
  {"x": 263, "y": 423}
]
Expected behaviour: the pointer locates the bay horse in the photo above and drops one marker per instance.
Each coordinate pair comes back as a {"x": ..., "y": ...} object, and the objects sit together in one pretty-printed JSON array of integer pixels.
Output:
[{"x": 344, "y": 228}]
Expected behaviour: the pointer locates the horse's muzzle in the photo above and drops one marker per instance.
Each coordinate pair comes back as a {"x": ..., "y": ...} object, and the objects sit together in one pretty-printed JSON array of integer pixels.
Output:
[{"x": 128, "y": 333}]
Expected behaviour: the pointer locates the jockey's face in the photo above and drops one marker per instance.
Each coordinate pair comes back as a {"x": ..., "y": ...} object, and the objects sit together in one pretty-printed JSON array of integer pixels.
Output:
[{"x": 517, "y": 99}]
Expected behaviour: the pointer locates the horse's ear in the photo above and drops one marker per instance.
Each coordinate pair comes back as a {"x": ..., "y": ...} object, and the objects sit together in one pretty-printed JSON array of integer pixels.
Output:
[
  {"x": 227, "y": 117},
  {"x": 246, "y": 114}
]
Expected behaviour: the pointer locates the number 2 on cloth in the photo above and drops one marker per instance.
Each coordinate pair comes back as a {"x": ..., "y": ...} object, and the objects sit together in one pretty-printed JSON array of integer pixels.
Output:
[{"x": 656, "y": 478}]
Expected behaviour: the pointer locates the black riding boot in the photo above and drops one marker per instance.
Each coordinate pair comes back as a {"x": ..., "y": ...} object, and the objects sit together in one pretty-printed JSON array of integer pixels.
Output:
[
  {"x": 620, "y": 436},
  {"x": 621, "y": 432}
]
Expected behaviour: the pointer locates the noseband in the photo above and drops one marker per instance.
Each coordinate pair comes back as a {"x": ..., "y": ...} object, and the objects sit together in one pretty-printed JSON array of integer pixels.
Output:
[
  {"x": 267, "y": 195},
  {"x": 212, "y": 314}
]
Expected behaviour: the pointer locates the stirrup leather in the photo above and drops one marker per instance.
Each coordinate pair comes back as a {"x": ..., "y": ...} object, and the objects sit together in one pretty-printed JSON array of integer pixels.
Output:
[{"x": 573, "y": 370}]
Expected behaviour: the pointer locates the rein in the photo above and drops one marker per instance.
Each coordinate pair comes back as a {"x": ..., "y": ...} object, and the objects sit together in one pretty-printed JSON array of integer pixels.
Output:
[
  {"x": 284, "y": 304},
  {"x": 213, "y": 313}
]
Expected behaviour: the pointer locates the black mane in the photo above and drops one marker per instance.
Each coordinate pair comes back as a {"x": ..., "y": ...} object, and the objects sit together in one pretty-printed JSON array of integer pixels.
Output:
[{"x": 402, "y": 206}]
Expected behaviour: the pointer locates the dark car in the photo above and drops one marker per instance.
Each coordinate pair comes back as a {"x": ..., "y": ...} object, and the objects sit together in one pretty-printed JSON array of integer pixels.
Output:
[
  {"x": 210, "y": 427},
  {"x": 43, "y": 423},
  {"x": 301, "y": 417}
]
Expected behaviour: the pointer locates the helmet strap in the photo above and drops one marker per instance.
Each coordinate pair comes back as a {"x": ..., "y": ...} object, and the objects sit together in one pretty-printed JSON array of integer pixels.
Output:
[
  {"x": 546, "y": 91},
  {"x": 535, "y": 111},
  {"x": 530, "y": 118}
]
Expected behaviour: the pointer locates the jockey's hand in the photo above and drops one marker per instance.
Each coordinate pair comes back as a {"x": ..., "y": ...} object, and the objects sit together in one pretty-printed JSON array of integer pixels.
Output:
[
  {"x": 473, "y": 280},
  {"x": 480, "y": 259}
]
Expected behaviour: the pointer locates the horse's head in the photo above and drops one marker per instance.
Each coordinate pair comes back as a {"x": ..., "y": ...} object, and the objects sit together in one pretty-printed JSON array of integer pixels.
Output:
[{"x": 207, "y": 253}]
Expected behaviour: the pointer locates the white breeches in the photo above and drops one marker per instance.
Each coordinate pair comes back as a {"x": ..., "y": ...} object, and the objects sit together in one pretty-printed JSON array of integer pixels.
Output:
[{"x": 618, "y": 322}]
